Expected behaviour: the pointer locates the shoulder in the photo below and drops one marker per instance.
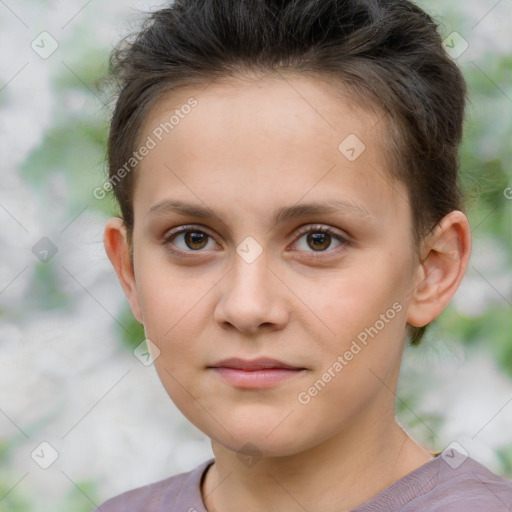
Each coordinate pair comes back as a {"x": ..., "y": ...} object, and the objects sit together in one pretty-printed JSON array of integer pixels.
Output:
[
  {"x": 471, "y": 487},
  {"x": 451, "y": 482},
  {"x": 178, "y": 492}
]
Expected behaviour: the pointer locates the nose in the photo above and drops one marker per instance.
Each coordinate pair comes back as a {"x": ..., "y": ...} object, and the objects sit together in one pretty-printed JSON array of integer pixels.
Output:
[{"x": 252, "y": 298}]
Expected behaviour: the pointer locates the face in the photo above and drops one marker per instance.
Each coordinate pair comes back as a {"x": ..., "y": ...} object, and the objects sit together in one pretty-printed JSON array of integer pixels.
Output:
[{"x": 273, "y": 262}]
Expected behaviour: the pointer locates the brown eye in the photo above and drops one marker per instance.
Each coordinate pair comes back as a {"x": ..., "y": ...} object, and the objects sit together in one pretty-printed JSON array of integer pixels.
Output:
[
  {"x": 195, "y": 239},
  {"x": 320, "y": 239},
  {"x": 188, "y": 239}
]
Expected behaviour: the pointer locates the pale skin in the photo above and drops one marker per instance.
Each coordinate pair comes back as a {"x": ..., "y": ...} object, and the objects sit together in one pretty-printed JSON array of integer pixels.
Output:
[{"x": 246, "y": 150}]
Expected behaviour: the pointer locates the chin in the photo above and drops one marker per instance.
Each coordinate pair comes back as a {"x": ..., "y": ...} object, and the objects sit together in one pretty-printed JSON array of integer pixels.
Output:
[
  {"x": 258, "y": 447},
  {"x": 261, "y": 438}
]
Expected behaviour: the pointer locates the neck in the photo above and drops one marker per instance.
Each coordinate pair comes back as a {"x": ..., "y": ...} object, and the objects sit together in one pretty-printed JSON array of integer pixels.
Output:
[{"x": 336, "y": 475}]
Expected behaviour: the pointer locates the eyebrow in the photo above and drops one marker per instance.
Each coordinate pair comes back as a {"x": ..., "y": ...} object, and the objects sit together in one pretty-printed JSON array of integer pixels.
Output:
[{"x": 281, "y": 214}]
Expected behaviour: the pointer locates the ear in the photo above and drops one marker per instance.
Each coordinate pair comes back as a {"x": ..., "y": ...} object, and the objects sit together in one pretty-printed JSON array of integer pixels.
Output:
[
  {"x": 444, "y": 257},
  {"x": 118, "y": 252}
]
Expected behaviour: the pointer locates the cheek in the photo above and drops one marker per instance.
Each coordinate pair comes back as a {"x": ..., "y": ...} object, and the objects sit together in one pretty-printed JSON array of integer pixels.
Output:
[
  {"x": 366, "y": 315},
  {"x": 169, "y": 299},
  {"x": 355, "y": 299},
  {"x": 179, "y": 384}
]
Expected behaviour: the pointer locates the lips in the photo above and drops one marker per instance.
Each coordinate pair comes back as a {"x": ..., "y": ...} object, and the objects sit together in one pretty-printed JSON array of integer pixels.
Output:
[
  {"x": 255, "y": 373},
  {"x": 254, "y": 364}
]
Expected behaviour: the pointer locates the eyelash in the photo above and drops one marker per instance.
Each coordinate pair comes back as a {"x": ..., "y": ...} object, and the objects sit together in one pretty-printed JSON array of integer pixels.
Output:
[{"x": 318, "y": 228}]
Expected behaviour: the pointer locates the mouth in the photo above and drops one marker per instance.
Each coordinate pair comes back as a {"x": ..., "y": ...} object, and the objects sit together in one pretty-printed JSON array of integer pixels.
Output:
[{"x": 255, "y": 373}]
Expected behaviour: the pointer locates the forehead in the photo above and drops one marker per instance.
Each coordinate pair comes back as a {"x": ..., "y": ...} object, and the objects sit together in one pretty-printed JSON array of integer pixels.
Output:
[{"x": 264, "y": 142}]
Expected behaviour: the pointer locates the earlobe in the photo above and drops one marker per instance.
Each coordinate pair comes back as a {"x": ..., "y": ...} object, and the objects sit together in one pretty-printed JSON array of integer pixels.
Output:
[
  {"x": 118, "y": 252},
  {"x": 444, "y": 259}
]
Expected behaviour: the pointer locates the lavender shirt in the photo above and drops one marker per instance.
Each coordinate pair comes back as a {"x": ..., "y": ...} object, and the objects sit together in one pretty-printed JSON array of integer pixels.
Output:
[{"x": 447, "y": 483}]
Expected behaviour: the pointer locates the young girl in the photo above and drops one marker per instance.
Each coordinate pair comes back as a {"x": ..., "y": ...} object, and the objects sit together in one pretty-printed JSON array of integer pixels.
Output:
[{"x": 290, "y": 218}]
